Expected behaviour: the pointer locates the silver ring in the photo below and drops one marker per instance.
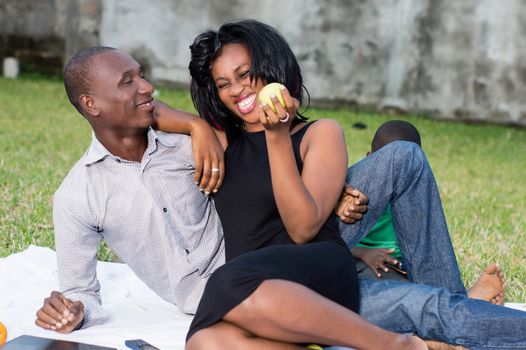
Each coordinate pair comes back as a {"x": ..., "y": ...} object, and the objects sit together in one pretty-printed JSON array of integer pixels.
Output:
[
  {"x": 214, "y": 170},
  {"x": 285, "y": 119}
]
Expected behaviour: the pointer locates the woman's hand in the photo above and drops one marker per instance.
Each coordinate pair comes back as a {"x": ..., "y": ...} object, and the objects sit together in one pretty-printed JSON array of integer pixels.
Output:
[
  {"x": 281, "y": 119},
  {"x": 209, "y": 157},
  {"x": 206, "y": 148}
]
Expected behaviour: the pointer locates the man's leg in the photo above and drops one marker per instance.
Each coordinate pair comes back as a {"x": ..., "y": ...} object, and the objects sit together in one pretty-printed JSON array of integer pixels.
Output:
[
  {"x": 436, "y": 313},
  {"x": 399, "y": 173}
]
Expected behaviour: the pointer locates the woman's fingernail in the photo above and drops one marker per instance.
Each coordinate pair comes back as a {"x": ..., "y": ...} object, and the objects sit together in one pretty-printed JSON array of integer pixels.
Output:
[
  {"x": 272, "y": 96},
  {"x": 282, "y": 87},
  {"x": 215, "y": 190}
]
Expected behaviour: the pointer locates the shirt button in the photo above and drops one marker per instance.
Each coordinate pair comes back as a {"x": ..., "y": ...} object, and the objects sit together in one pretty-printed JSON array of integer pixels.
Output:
[
  {"x": 165, "y": 210},
  {"x": 118, "y": 160}
]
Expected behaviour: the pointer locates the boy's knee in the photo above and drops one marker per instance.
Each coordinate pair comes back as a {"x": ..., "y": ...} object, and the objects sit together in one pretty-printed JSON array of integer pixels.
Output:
[
  {"x": 407, "y": 156},
  {"x": 406, "y": 150}
]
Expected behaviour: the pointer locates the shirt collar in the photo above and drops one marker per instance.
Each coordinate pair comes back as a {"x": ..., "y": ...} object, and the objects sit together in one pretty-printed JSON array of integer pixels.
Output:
[{"x": 97, "y": 152}]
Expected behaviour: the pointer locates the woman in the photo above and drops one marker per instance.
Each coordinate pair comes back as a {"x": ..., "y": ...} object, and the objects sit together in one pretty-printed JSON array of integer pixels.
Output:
[{"x": 283, "y": 178}]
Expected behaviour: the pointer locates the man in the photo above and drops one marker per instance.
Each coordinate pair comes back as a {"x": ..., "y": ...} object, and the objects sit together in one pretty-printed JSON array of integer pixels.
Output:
[{"x": 135, "y": 189}]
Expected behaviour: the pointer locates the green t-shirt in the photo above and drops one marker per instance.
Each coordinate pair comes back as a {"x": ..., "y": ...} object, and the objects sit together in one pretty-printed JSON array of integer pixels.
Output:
[{"x": 382, "y": 235}]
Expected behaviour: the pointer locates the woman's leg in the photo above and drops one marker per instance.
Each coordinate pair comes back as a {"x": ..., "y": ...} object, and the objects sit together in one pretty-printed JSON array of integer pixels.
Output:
[
  {"x": 224, "y": 335},
  {"x": 289, "y": 312}
]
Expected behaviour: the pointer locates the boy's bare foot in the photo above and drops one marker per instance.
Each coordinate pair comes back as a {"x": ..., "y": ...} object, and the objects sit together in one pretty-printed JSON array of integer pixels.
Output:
[{"x": 490, "y": 286}]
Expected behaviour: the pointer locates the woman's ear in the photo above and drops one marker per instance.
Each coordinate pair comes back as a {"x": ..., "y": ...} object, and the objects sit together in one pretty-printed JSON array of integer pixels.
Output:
[{"x": 87, "y": 103}]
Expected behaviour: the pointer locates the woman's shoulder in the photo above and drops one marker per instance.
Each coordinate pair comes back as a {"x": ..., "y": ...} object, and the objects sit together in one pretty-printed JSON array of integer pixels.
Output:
[{"x": 325, "y": 127}]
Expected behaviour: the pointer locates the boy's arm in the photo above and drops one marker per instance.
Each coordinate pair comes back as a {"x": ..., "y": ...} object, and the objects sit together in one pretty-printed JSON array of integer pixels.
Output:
[
  {"x": 375, "y": 258},
  {"x": 207, "y": 150}
]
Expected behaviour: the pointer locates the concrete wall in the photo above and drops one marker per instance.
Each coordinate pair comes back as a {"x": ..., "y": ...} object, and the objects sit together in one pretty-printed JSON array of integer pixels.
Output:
[
  {"x": 449, "y": 59},
  {"x": 33, "y": 31}
]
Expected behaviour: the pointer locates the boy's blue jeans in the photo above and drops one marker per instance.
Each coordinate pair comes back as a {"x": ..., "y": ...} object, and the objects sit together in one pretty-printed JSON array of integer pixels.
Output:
[{"x": 435, "y": 306}]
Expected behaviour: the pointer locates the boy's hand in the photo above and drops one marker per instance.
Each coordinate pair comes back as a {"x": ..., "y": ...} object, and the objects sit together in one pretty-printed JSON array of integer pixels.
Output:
[
  {"x": 352, "y": 205},
  {"x": 60, "y": 314},
  {"x": 375, "y": 258}
]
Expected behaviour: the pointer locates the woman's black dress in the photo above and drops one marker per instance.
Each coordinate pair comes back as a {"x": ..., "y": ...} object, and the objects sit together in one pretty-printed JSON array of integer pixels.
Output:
[{"x": 258, "y": 247}]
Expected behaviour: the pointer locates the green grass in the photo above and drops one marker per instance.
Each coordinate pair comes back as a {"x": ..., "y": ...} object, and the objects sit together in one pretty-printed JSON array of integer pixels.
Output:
[{"x": 480, "y": 169}]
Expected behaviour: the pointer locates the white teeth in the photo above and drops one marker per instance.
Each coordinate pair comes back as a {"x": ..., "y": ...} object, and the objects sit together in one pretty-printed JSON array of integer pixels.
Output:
[{"x": 247, "y": 101}]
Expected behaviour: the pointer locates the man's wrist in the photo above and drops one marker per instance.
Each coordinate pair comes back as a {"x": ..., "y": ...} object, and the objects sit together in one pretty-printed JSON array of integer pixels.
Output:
[{"x": 79, "y": 326}]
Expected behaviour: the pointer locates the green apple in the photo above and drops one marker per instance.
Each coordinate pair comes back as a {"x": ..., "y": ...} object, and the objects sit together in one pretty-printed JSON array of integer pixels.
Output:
[{"x": 267, "y": 91}]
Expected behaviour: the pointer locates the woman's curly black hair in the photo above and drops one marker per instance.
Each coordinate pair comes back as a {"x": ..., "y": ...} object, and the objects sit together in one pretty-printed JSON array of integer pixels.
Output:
[{"x": 272, "y": 61}]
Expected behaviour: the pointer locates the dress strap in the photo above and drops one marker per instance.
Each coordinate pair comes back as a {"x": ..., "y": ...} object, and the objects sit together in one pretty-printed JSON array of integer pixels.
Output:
[{"x": 296, "y": 142}]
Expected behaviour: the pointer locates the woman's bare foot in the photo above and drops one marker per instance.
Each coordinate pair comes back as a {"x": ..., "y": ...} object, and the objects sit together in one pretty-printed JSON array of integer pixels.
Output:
[
  {"x": 490, "y": 286},
  {"x": 409, "y": 342},
  {"x": 436, "y": 345}
]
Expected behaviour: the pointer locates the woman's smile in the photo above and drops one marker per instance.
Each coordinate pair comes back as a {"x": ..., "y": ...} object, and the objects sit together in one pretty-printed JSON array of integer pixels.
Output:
[{"x": 247, "y": 103}]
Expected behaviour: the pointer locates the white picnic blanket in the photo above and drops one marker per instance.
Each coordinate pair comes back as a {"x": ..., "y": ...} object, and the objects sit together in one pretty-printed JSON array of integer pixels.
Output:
[{"x": 28, "y": 277}]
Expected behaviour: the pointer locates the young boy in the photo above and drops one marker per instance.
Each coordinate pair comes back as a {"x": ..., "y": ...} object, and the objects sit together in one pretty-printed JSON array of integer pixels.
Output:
[{"x": 378, "y": 253}]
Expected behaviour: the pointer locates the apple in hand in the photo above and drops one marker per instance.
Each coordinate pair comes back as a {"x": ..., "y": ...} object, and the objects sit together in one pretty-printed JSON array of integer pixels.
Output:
[{"x": 267, "y": 91}]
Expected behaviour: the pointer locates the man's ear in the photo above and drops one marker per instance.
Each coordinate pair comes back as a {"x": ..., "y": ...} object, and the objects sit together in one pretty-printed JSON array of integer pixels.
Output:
[{"x": 88, "y": 105}]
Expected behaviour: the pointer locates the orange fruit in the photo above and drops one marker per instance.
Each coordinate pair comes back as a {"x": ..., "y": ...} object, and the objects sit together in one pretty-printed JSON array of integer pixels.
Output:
[{"x": 3, "y": 333}]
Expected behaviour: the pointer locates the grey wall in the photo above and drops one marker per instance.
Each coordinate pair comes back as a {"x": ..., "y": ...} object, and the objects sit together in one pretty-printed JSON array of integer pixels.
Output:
[
  {"x": 449, "y": 59},
  {"x": 33, "y": 31}
]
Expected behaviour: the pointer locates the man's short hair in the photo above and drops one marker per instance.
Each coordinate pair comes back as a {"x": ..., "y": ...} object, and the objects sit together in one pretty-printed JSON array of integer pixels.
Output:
[
  {"x": 395, "y": 130},
  {"x": 76, "y": 73}
]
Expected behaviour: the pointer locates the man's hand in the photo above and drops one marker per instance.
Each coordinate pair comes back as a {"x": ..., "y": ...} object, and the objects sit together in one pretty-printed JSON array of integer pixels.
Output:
[
  {"x": 352, "y": 205},
  {"x": 60, "y": 314},
  {"x": 209, "y": 157},
  {"x": 375, "y": 258}
]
